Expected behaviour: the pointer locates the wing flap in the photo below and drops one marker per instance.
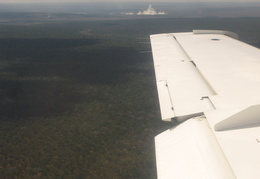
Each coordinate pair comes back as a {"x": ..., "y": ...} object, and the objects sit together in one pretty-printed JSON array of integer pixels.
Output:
[{"x": 191, "y": 151}]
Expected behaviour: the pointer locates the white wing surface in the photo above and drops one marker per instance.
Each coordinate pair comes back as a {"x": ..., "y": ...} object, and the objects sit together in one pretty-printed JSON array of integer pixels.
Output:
[{"x": 211, "y": 80}]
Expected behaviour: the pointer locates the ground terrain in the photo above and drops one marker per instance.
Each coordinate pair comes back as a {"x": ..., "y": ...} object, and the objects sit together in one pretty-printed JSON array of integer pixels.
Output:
[{"x": 78, "y": 97}]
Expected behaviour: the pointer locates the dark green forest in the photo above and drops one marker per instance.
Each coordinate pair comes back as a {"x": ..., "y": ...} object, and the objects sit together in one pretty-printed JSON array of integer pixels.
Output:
[{"x": 78, "y": 99}]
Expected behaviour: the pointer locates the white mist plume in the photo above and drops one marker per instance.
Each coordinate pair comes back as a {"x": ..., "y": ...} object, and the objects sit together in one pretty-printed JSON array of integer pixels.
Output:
[
  {"x": 128, "y": 13},
  {"x": 150, "y": 11}
]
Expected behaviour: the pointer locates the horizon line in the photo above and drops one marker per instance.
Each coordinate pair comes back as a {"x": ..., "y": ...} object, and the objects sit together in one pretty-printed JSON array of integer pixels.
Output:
[{"x": 117, "y": 1}]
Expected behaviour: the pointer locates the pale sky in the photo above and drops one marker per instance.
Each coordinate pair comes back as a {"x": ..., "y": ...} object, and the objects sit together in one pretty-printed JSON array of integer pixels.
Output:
[{"x": 21, "y": 1}]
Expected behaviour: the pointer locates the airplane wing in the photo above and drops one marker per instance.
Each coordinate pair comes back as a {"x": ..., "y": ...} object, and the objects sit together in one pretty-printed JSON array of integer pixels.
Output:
[{"x": 210, "y": 81}]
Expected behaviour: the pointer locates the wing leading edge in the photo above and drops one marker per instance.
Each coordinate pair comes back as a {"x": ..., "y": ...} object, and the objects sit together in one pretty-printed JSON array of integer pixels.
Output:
[{"x": 213, "y": 77}]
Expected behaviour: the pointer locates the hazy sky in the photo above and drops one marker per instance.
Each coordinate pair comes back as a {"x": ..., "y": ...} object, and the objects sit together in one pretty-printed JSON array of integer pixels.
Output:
[{"x": 20, "y": 1}]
